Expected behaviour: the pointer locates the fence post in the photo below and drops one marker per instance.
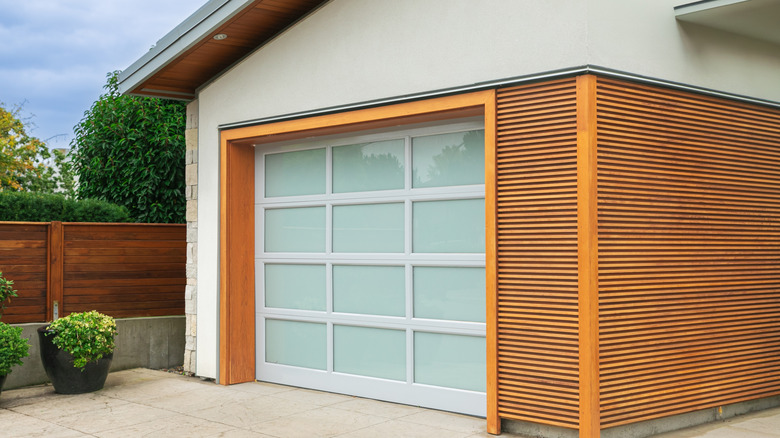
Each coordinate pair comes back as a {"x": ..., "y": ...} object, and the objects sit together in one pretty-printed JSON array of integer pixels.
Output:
[{"x": 56, "y": 270}]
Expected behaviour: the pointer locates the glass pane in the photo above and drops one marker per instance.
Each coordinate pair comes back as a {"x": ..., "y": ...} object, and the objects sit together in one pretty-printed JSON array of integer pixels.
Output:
[
  {"x": 295, "y": 173},
  {"x": 375, "y": 290},
  {"x": 449, "y": 159},
  {"x": 449, "y": 293},
  {"x": 368, "y": 228},
  {"x": 449, "y": 226},
  {"x": 295, "y": 229},
  {"x": 369, "y": 352},
  {"x": 368, "y": 166},
  {"x": 295, "y": 286},
  {"x": 453, "y": 361},
  {"x": 302, "y": 344}
]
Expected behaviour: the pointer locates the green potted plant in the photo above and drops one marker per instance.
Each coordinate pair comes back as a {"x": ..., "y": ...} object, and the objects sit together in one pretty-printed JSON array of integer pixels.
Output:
[
  {"x": 77, "y": 350},
  {"x": 6, "y": 291},
  {"x": 13, "y": 348}
]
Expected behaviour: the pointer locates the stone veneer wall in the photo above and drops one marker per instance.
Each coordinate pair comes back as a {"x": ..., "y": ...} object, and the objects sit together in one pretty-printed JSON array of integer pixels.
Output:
[{"x": 191, "y": 193}]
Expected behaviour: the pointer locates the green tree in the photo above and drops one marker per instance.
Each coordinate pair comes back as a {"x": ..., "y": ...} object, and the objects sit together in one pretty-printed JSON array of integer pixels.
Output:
[
  {"x": 64, "y": 175},
  {"x": 130, "y": 151},
  {"x": 22, "y": 157}
]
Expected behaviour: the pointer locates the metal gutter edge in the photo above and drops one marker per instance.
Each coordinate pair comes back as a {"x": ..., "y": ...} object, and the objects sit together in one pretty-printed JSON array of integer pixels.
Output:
[
  {"x": 410, "y": 97},
  {"x": 703, "y": 5},
  {"x": 554, "y": 74},
  {"x": 202, "y": 22}
]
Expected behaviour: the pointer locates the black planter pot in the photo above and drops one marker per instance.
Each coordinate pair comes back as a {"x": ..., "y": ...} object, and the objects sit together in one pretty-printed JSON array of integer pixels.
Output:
[
  {"x": 66, "y": 378},
  {"x": 2, "y": 382}
]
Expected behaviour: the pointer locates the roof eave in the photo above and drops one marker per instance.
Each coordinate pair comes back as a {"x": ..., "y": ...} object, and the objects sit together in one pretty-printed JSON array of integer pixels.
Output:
[{"x": 183, "y": 37}]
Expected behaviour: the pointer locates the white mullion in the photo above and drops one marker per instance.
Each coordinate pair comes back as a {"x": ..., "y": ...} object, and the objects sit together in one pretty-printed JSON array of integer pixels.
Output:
[
  {"x": 409, "y": 271},
  {"x": 328, "y": 229},
  {"x": 328, "y": 252},
  {"x": 409, "y": 356},
  {"x": 376, "y": 321},
  {"x": 370, "y": 259},
  {"x": 329, "y": 347},
  {"x": 329, "y": 288},
  {"x": 390, "y": 196},
  {"x": 407, "y": 164},
  {"x": 408, "y": 228},
  {"x": 328, "y": 171}
]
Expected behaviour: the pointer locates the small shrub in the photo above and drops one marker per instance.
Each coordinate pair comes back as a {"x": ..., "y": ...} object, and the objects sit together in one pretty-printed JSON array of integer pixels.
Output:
[
  {"x": 88, "y": 336},
  {"x": 13, "y": 347},
  {"x": 6, "y": 291},
  {"x": 44, "y": 207}
]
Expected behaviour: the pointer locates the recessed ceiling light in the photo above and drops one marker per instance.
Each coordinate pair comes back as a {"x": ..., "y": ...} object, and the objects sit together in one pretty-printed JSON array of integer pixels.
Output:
[{"x": 220, "y": 36}]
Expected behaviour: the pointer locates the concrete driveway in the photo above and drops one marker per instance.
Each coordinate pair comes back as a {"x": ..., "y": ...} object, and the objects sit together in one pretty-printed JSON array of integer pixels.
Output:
[
  {"x": 149, "y": 403},
  {"x": 142, "y": 402}
]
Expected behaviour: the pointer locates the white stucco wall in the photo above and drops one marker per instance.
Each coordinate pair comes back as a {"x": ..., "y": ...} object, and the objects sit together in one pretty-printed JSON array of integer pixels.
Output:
[
  {"x": 353, "y": 51},
  {"x": 357, "y": 50},
  {"x": 644, "y": 38}
]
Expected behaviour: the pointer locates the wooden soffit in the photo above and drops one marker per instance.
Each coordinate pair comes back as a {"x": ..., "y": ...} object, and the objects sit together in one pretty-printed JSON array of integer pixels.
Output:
[{"x": 190, "y": 56}]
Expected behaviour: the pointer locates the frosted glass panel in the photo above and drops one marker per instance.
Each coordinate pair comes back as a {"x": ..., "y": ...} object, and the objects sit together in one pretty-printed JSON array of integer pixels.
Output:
[
  {"x": 368, "y": 228},
  {"x": 302, "y": 344},
  {"x": 449, "y": 226},
  {"x": 453, "y": 361},
  {"x": 368, "y": 166},
  {"x": 449, "y": 159},
  {"x": 369, "y": 352},
  {"x": 295, "y": 229},
  {"x": 295, "y": 286},
  {"x": 295, "y": 173},
  {"x": 449, "y": 293},
  {"x": 375, "y": 290}
]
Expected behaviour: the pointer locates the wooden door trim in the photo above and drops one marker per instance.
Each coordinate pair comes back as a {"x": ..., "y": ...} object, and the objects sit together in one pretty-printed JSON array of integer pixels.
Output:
[{"x": 237, "y": 307}]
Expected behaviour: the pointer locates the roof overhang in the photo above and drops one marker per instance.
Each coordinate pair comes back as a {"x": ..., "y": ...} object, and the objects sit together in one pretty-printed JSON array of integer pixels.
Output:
[
  {"x": 189, "y": 55},
  {"x": 758, "y": 19}
]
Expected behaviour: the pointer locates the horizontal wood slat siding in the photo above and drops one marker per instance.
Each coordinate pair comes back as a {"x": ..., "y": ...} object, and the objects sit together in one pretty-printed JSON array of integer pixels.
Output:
[
  {"x": 689, "y": 252},
  {"x": 124, "y": 270},
  {"x": 23, "y": 259},
  {"x": 537, "y": 253}
]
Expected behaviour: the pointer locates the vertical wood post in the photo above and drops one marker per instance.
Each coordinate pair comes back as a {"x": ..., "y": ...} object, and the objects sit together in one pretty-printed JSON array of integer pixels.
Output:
[
  {"x": 491, "y": 267},
  {"x": 56, "y": 269},
  {"x": 237, "y": 264},
  {"x": 587, "y": 257}
]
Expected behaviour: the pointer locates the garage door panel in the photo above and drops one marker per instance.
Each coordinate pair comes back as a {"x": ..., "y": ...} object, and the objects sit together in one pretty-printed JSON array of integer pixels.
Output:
[
  {"x": 451, "y": 159},
  {"x": 371, "y": 352},
  {"x": 376, "y": 286},
  {"x": 297, "y": 343},
  {"x": 368, "y": 228},
  {"x": 449, "y": 293},
  {"x": 295, "y": 173},
  {"x": 455, "y": 226},
  {"x": 295, "y": 286},
  {"x": 369, "y": 166},
  {"x": 385, "y": 296},
  {"x": 453, "y": 361},
  {"x": 299, "y": 229}
]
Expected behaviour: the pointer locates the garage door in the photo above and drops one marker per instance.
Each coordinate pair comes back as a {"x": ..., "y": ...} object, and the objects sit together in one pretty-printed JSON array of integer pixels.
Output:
[{"x": 370, "y": 265}]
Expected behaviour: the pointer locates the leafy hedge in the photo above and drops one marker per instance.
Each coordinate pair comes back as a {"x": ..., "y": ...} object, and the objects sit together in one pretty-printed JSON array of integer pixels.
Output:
[
  {"x": 43, "y": 207},
  {"x": 130, "y": 150}
]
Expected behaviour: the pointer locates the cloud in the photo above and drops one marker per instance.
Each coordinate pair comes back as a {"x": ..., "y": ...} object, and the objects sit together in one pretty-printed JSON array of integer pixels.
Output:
[{"x": 59, "y": 51}]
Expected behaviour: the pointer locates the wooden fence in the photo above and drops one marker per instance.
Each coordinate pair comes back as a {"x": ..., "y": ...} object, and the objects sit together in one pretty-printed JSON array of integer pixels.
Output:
[{"x": 123, "y": 270}]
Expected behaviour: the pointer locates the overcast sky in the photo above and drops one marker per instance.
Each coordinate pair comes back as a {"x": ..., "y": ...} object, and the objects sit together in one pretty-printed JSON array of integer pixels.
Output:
[{"x": 54, "y": 54}]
